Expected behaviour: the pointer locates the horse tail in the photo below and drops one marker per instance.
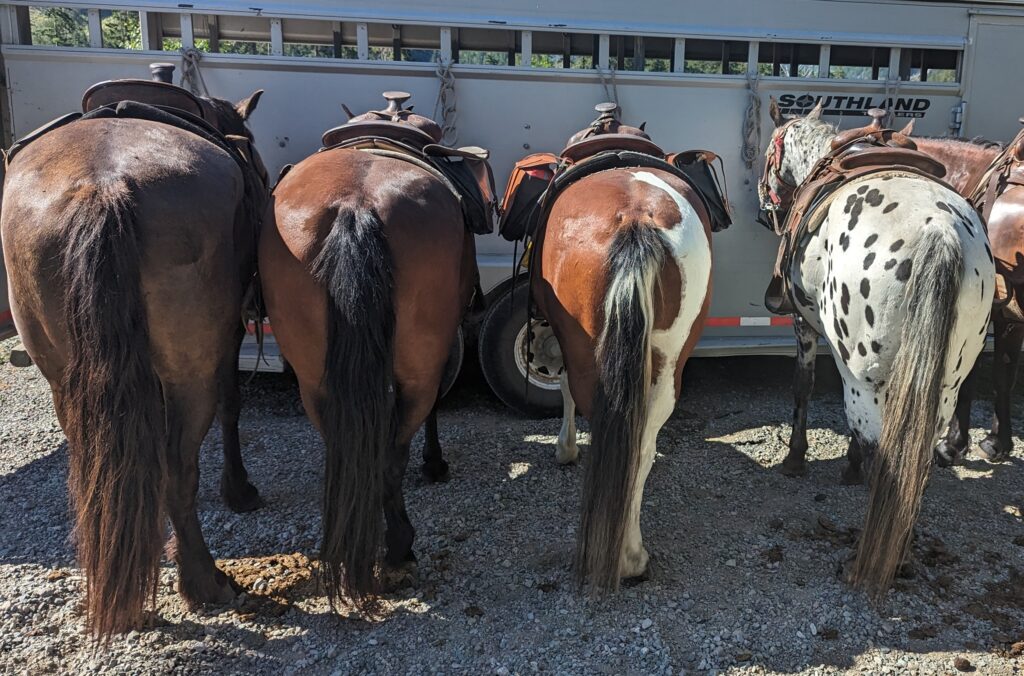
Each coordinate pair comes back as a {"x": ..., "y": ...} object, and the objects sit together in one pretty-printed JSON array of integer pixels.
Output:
[
  {"x": 358, "y": 410},
  {"x": 910, "y": 416},
  {"x": 111, "y": 406},
  {"x": 620, "y": 402}
]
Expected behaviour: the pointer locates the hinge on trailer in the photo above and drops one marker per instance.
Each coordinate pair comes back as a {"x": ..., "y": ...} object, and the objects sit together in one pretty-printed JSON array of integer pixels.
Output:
[{"x": 956, "y": 118}]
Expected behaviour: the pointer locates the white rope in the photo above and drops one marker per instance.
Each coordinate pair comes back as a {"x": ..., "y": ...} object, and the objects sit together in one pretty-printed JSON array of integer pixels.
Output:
[
  {"x": 607, "y": 76},
  {"x": 191, "y": 76},
  {"x": 892, "y": 90},
  {"x": 445, "y": 108},
  {"x": 752, "y": 122}
]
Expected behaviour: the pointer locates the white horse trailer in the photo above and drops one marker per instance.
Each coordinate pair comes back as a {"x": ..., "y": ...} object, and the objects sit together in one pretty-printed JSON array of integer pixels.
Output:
[{"x": 520, "y": 76}]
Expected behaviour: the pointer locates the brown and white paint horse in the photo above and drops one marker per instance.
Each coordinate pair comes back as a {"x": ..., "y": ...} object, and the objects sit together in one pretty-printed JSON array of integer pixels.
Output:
[
  {"x": 120, "y": 237},
  {"x": 367, "y": 271},
  {"x": 623, "y": 276},
  {"x": 966, "y": 163}
]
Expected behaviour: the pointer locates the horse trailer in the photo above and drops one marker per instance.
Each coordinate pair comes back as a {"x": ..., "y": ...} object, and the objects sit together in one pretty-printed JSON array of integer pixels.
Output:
[{"x": 519, "y": 77}]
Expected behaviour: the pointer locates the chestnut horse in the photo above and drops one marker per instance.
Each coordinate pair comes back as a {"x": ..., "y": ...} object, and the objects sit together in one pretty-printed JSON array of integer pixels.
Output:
[
  {"x": 966, "y": 163},
  {"x": 367, "y": 271},
  {"x": 129, "y": 245},
  {"x": 623, "y": 275}
]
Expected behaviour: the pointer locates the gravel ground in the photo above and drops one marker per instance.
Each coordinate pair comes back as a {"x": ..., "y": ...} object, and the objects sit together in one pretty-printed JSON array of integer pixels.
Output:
[{"x": 744, "y": 560}]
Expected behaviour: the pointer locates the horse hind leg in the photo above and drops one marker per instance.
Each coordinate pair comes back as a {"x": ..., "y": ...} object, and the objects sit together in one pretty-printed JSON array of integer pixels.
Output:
[
  {"x": 566, "y": 450},
  {"x": 434, "y": 466},
  {"x": 954, "y": 446},
  {"x": 238, "y": 494},
  {"x": 190, "y": 411},
  {"x": 998, "y": 444},
  {"x": 795, "y": 463}
]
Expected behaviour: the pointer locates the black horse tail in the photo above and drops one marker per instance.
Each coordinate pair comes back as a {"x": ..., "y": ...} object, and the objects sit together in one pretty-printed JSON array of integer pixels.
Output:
[
  {"x": 111, "y": 406},
  {"x": 620, "y": 403},
  {"x": 358, "y": 412},
  {"x": 910, "y": 417}
]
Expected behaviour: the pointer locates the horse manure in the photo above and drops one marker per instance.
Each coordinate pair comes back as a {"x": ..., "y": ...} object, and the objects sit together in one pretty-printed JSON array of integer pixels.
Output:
[
  {"x": 829, "y": 633},
  {"x": 473, "y": 611},
  {"x": 923, "y": 632},
  {"x": 774, "y": 555}
]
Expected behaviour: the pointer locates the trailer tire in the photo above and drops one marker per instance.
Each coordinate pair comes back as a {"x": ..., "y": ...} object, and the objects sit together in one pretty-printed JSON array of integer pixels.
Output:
[{"x": 505, "y": 351}]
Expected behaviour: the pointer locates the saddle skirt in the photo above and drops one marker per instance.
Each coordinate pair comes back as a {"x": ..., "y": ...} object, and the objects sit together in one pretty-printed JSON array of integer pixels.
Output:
[
  {"x": 856, "y": 156},
  {"x": 1006, "y": 169},
  {"x": 537, "y": 180},
  {"x": 398, "y": 133}
]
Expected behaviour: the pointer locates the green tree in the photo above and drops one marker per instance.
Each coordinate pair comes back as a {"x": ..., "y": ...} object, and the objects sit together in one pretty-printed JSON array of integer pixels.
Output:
[
  {"x": 121, "y": 29},
  {"x": 59, "y": 27}
]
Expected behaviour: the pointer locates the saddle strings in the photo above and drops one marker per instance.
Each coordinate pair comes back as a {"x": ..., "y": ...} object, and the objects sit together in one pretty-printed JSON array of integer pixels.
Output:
[{"x": 446, "y": 106}]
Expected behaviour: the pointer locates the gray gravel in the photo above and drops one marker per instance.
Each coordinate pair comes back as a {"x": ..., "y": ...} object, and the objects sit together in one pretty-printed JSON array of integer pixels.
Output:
[{"x": 744, "y": 560}]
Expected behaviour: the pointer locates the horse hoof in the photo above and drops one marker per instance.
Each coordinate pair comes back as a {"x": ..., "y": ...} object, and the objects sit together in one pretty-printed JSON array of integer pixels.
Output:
[
  {"x": 947, "y": 455},
  {"x": 794, "y": 468},
  {"x": 566, "y": 456},
  {"x": 245, "y": 499},
  {"x": 217, "y": 590},
  {"x": 397, "y": 578},
  {"x": 852, "y": 476},
  {"x": 436, "y": 471},
  {"x": 990, "y": 449}
]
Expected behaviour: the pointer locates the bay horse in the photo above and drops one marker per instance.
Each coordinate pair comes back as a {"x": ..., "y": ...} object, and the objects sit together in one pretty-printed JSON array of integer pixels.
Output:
[
  {"x": 967, "y": 162},
  {"x": 623, "y": 275},
  {"x": 129, "y": 245},
  {"x": 368, "y": 269},
  {"x": 898, "y": 278}
]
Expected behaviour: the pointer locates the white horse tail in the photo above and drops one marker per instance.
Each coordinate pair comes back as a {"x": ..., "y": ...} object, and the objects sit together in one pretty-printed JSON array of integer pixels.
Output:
[
  {"x": 910, "y": 414},
  {"x": 620, "y": 403}
]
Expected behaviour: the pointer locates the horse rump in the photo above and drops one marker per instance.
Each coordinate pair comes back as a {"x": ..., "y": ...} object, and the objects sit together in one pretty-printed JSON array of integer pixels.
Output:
[
  {"x": 111, "y": 406},
  {"x": 358, "y": 409},
  {"x": 618, "y": 417}
]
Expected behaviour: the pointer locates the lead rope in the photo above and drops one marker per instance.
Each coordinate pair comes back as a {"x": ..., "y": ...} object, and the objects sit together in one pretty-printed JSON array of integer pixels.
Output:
[
  {"x": 191, "y": 76},
  {"x": 611, "y": 93},
  {"x": 752, "y": 122},
  {"x": 445, "y": 108}
]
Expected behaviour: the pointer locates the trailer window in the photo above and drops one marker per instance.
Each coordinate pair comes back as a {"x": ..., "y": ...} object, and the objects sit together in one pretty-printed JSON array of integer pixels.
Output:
[
  {"x": 562, "y": 50},
  {"x": 59, "y": 26},
  {"x": 318, "y": 39},
  {"x": 715, "y": 57},
  {"x": 930, "y": 65},
  {"x": 121, "y": 29},
  {"x": 788, "y": 59},
  {"x": 484, "y": 46},
  {"x": 639, "y": 53},
  {"x": 858, "y": 63}
]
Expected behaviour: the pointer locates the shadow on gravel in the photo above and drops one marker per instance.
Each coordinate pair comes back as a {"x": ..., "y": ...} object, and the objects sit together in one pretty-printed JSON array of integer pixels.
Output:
[{"x": 34, "y": 511}]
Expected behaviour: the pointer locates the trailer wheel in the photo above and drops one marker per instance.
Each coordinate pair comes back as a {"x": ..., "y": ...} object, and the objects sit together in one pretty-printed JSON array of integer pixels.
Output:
[
  {"x": 454, "y": 363},
  {"x": 508, "y": 353}
]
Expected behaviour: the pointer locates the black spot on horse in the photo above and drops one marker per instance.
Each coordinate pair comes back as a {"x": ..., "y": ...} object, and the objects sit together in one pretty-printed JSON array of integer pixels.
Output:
[
  {"x": 874, "y": 197},
  {"x": 855, "y": 213},
  {"x": 835, "y": 325},
  {"x": 845, "y": 328},
  {"x": 865, "y": 287},
  {"x": 862, "y": 350},
  {"x": 889, "y": 207},
  {"x": 876, "y": 347},
  {"x": 844, "y": 353},
  {"x": 896, "y": 246},
  {"x": 870, "y": 240},
  {"x": 861, "y": 190},
  {"x": 869, "y": 315},
  {"x": 844, "y": 299},
  {"x": 868, "y": 260},
  {"x": 988, "y": 250},
  {"x": 944, "y": 207},
  {"x": 903, "y": 271},
  {"x": 928, "y": 220},
  {"x": 890, "y": 264},
  {"x": 959, "y": 362},
  {"x": 976, "y": 273},
  {"x": 850, "y": 201},
  {"x": 844, "y": 241}
]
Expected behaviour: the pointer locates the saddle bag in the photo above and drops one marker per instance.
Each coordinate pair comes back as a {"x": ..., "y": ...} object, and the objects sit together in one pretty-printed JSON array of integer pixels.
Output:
[
  {"x": 520, "y": 208},
  {"x": 697, "y": 166}
]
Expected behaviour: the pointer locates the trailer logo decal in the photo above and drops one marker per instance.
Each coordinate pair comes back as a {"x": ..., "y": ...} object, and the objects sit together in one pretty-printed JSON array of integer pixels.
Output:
[{"x": 854, "y": 104}]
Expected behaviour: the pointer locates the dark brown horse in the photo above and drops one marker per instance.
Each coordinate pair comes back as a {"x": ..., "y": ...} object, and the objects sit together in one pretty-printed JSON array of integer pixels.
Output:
[
  {"x": 623, "y": 275},
  {"x": 367, "y": 270},
  {"x": 129, "y": 244},
  {"x": 967, "y": 162}
]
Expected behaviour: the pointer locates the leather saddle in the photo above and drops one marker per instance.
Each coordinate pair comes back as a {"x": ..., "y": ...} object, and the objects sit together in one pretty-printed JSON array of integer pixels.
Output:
[
  {"x": 538, "y": 180},
  {"x": 399, "y": 133},
  {"x": 157, "y": 101},
  {"x": 1006, "y": 169},
  {"x": 855, "y": 154}
]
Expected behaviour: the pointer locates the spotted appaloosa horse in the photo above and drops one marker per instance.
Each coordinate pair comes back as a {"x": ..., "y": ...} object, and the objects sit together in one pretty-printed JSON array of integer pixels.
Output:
[
  {"x": 367, "y": 271},
  {"x": 623, "y": 276},
  {"x": 966, "y": 163},
  {"x": 130, "y": 245},
  {"x": 898, "y": 279}
]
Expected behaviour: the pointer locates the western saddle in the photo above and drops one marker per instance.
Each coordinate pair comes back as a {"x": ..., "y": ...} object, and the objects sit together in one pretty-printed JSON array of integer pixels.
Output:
[
  {"x": 1005, "y": 170},
  {"x": 398, "y": 133},
  {"x": 156, "y": 100},
  {"x": 537, "y": 180},
  {"x": 873, "y": 150}
]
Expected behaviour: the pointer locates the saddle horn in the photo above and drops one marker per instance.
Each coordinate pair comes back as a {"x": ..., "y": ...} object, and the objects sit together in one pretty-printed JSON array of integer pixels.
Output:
[
  {"x": 162, "y": 72},
  {"x": 877, "y": 115}
]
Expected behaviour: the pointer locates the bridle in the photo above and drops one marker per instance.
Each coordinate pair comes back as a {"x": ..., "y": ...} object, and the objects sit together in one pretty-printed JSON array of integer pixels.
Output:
[{"x": 783, "y": 193}]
